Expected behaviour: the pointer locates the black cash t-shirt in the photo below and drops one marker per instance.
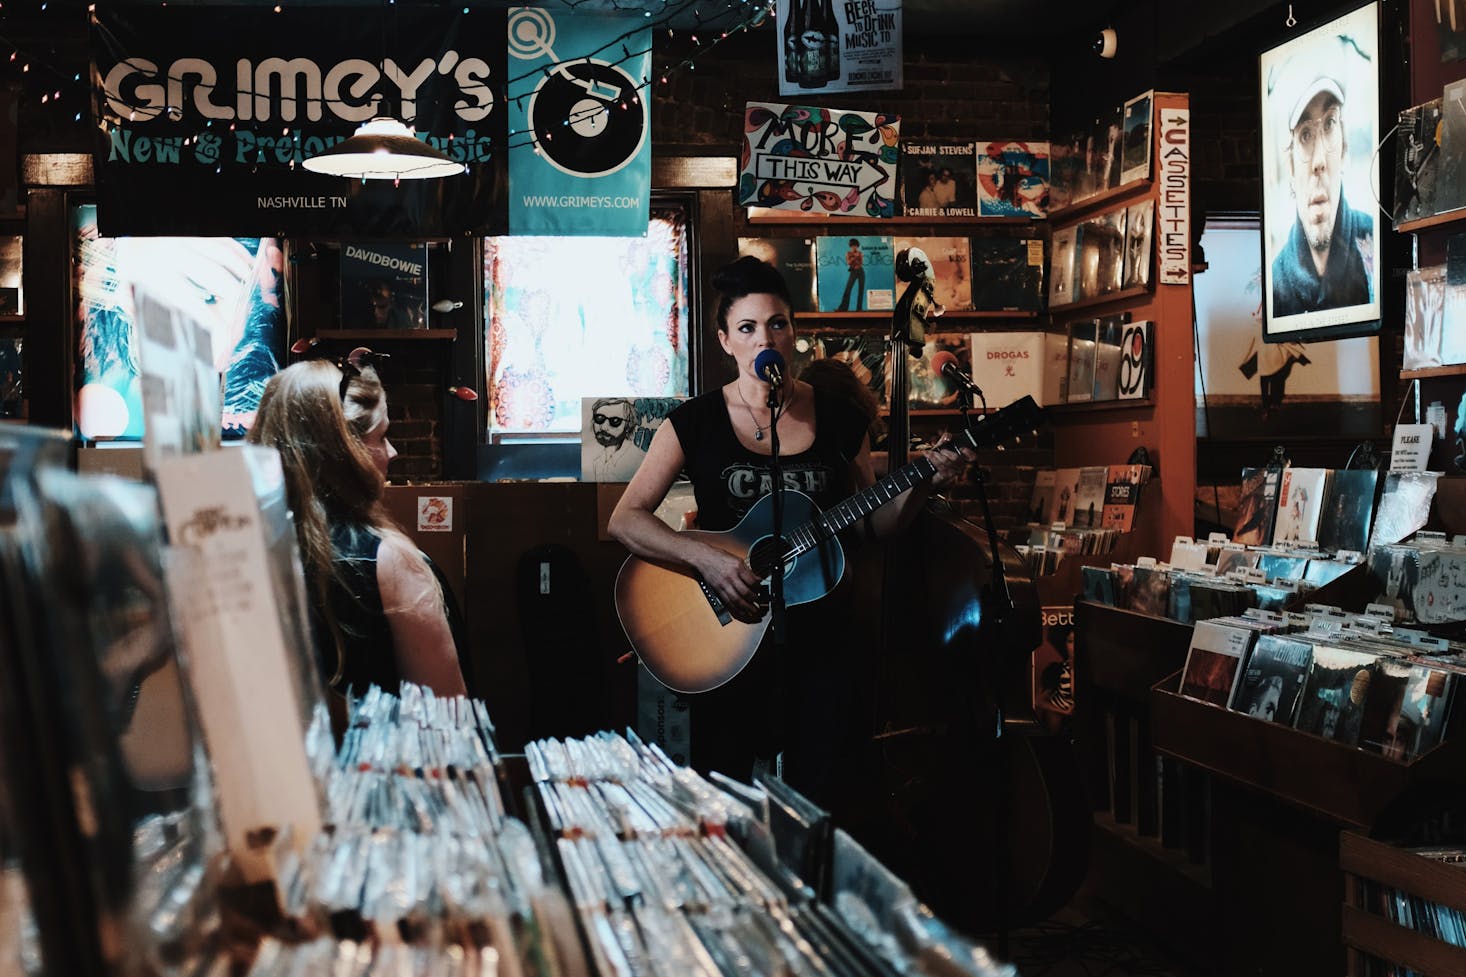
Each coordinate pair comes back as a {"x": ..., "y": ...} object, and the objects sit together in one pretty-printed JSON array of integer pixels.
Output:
[{"x": 728, "y": 479}]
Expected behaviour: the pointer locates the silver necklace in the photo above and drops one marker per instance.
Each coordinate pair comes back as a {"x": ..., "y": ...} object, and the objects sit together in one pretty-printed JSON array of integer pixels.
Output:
[{"x": 758, "y": 429}]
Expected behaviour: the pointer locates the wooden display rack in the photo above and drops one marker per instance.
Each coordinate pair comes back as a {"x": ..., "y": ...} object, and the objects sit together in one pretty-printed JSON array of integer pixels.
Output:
[
  {"x": 1340, "y": 783},
  {"x": 1368, "y": 933}
]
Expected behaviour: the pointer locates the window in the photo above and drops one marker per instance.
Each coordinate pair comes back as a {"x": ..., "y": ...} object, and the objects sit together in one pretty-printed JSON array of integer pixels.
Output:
[{"x": 578, "y": 317}]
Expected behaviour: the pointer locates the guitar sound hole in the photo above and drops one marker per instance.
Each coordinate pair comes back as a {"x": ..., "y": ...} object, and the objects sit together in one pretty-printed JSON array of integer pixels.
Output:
[{"x": 763, "y": 556}]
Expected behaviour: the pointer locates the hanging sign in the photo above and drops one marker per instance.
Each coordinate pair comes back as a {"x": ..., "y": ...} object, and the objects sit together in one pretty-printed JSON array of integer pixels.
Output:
[
  {"x": 1173, "y": 208},
  {"x": 207, "y": 113},
  {"x": 846, "y": 46},
  {"x": 580, "y": 143},
  {"x": 826, "y": 161}
]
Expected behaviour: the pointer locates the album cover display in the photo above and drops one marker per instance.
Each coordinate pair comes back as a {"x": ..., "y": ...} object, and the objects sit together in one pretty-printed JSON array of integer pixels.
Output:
[
  {"x": 926, "y": 387},
  {"x": 384, "y": 286},
  {"x": 1139, "y": 243},
  {"x": 1041, "y": 500},
  {"x": 1089, "y": 497},
  {"x": 864, "y": 352},
  {"x": 1108, "y": 346},
  {"x": 1013, "y": 179},
  {"x": 1061, "y": 174},
  {"x": 938, "y": 179},
  {"x": 855, "y": 273},
  {"x": 1066, "y": 487},
  {"x": 1424, "y": 710},
  {"x": 1235, "y": 558},
  {"x": 1451, "y": 172},
  {"x": 1257, "y": 506},
  {"x": 1100, "y": 254},
  {"x": 794, "y": 257},
  {"x": 951, "y": 259},
  {"x": 1109, "y": 149},
  {"x": 1300, "y": 504},
  {"x": 1011, "y": 365},
  {"x": 1062, "y": 267},
  {"x": 1214, "y": 661},
  {"x": 1417, "y": 161},
  {"x": 1272, "y": 683},
  {"x": 1425, "y": 299},
  {"x": 1348, "y": 506},
  {"x": 1379, "y": 726},
  {"x": 1122, "y": 496},
  {"x": 1332, "y": 705},
  {"x": 1135, "y": 360},
  {"x": 1007, "y": 274},
  {"x": 1149, "y": 591},
  {"x": 1135, "y": 151},
  {"x": 1082, "y": 337}
]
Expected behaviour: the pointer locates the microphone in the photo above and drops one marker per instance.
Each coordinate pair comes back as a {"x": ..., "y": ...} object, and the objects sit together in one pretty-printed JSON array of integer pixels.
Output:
[
  {"x": 769, "y": 365},
  {"x": 946, "y": 364}
]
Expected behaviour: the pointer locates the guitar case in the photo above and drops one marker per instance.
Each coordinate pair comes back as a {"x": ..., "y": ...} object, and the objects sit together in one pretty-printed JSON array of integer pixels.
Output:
[{"x": 557, "y": 620}]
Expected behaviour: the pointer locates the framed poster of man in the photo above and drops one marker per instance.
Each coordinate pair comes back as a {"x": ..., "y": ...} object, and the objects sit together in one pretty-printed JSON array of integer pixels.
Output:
[{"x": 1320, "y": 124}]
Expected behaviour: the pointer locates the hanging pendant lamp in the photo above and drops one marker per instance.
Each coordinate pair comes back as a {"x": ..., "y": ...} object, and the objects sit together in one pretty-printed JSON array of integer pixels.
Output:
[{"x": 383, "y": 149}]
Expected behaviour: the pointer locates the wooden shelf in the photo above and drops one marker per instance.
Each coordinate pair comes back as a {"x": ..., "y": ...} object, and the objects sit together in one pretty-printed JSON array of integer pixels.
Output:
[
  {"x": 1343, "y": 784},
  {"x": 1098, "y": 300},
  {"x": 390, "y": 335},
  {"x": 1089, "y": 406},
  {"x": 1451, "y": 370},
  {"x": 1369, "y": 932},
  {"x": 809, "y": 217},
  {"x": 1434, "y": 220},
  {"x": 931, "y": 327},
  {"x": 1098, "y": 202}
]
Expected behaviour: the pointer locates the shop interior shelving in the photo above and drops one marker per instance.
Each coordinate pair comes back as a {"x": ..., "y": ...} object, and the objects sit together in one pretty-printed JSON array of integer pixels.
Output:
[{"x": 1368, "y": 933}]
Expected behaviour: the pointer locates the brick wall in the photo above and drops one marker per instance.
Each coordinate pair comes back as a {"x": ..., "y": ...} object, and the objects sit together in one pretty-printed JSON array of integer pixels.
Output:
[
  {"x": 415, "y": 407},
  {"x": 949, "y": 94}
]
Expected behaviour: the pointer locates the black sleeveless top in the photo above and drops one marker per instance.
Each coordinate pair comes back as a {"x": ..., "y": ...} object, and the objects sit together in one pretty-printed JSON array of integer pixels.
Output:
[
  {"x": 728, "y": 479},
  {"x": 368, "y": 653}
]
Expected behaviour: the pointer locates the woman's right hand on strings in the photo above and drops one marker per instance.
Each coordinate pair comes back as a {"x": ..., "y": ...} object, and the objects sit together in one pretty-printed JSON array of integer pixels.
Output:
[{"x": 733, "y": 582}]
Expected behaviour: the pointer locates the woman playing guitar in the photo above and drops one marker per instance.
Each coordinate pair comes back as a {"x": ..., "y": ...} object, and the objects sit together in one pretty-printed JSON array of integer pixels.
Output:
[{"x": 798, "y": 699}]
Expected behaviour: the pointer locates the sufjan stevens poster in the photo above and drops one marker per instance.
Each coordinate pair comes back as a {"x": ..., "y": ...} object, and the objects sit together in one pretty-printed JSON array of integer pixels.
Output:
[{"x": 820, "y": 160}]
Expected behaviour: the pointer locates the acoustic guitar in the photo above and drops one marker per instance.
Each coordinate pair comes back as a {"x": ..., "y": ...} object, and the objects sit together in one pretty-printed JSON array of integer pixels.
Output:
[{"x": 678, "y": 625}]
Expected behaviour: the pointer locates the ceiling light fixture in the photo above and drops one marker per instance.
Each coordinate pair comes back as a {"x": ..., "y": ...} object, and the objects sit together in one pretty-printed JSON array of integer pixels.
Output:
[{"x": 383, "y": 149}]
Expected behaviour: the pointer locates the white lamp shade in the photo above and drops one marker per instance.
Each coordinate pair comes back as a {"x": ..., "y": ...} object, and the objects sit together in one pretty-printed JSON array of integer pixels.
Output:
[{"x": 383, "y": 149}]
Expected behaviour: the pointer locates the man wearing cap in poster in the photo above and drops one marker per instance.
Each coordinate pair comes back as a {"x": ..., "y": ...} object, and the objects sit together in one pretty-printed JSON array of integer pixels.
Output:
[{"x": 1324, "y": 262}]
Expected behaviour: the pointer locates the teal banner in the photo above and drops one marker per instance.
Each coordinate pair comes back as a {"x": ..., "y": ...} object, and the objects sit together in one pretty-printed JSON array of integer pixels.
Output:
[{"x": 579, "y": 124}]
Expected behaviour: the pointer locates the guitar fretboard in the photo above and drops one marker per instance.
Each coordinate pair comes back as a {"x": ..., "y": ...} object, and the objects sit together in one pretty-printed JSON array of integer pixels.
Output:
[{"x": 841, "y": 517}]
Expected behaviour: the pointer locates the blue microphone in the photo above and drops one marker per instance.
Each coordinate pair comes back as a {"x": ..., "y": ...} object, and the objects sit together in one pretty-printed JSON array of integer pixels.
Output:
[{"x": 769, "y": 365}]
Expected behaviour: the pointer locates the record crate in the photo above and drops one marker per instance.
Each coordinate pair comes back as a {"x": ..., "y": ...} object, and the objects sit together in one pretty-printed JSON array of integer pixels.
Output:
[{"x": 1431, "y": 894}]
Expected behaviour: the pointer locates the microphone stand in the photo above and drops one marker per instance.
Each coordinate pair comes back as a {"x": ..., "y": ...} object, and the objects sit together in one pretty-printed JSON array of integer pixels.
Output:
[
  {"x": 776, "y": 474},
  {"x": 998, "y": 607}
]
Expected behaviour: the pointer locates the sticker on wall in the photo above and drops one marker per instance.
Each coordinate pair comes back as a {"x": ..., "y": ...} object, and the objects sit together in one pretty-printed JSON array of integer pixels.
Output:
[
  {"x": 434, "y": 514},
  {"x": 822, "y": 161}
]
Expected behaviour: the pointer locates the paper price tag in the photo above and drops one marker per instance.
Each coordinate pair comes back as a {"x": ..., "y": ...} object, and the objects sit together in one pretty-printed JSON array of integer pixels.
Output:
[{"x": 1411, "y": 451}]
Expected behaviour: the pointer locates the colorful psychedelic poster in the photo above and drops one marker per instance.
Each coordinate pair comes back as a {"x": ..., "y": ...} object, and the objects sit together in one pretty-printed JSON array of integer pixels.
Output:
[
  {"x": 822, "y": 161},
  {"x": 1013, "y": 179},
  {"x": 580, "y": 128}
]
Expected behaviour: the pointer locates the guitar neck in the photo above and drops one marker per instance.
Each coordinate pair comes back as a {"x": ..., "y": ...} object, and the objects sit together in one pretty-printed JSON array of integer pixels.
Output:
[{"x": 839, "y": 518}]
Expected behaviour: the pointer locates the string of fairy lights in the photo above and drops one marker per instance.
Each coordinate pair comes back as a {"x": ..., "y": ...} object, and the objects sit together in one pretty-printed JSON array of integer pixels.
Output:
[{"x": 67, "y": 90}]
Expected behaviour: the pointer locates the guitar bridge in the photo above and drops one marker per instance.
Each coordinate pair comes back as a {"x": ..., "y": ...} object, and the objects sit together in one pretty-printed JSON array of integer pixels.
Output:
[{"x": 716, "y": 603}]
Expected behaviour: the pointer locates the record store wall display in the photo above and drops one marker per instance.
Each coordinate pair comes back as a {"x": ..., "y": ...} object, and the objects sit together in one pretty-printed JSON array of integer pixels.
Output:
[
  {"x": 1319, "y": 126},
  {"x": 845, "y": 46},
  {"x": 1245, "y": 386},
  {"x": 819, "y": 160},
  {"x": 938, "y": 179},
  {"x": 580, "y": 162},
  {"x": 1013, "y": 179}
]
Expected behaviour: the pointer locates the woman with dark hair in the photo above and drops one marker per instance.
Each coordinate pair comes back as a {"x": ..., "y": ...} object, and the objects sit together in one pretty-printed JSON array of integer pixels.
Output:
[
  {"x": 379, "y": 613},
  {"x": 799, "y": 699}
]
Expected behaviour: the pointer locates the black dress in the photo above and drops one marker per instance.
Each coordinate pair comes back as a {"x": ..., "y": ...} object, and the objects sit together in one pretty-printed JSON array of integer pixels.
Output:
[
  {"x": 367, "y": 655},
  {"x": 799, "y": 699}
]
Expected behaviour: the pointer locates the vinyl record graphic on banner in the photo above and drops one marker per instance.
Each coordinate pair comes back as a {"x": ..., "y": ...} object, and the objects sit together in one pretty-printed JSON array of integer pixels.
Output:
[{"x": 587, "y": 118}]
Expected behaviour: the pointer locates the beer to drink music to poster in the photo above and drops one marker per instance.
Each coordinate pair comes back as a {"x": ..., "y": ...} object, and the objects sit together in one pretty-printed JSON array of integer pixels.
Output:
[{"x": 844, "y": 46}]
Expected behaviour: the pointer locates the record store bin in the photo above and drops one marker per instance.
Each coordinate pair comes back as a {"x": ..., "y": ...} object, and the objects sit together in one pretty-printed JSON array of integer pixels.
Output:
[{"x": 435, "y": 853}]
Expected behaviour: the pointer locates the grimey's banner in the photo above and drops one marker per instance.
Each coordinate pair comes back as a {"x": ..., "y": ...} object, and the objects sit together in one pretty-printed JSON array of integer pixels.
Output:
[{"x": 209, "y": 111}]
